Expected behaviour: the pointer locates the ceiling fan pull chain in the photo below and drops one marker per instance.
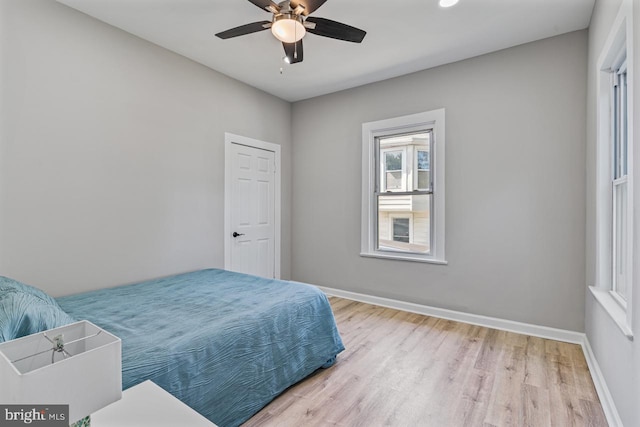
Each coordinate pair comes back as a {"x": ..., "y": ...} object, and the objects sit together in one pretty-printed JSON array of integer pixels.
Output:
[
  {"x": 295, "y": 46},
  {"x": 284, "y": 61}
]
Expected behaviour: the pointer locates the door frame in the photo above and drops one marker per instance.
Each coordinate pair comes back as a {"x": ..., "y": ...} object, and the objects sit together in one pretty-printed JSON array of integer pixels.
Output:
[{"x": 230, "y": 138}]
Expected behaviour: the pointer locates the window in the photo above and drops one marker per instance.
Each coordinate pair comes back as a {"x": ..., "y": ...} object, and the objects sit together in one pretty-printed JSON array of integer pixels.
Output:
[
  {"x": 614, "y": 197},
  {"x": 619, "y": 179},
  {"x": 403, "y": 188}
]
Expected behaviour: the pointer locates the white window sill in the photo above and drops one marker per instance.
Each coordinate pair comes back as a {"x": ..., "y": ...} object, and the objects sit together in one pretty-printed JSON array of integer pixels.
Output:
[
  {"x": 613, "y": 308},
  {"x": 403, "y": 257}
]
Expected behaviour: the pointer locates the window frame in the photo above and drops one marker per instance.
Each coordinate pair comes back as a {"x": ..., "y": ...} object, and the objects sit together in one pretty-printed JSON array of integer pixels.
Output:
[
  {"x": 433, "y": 121},
  {"x": 616, "y": 55}
]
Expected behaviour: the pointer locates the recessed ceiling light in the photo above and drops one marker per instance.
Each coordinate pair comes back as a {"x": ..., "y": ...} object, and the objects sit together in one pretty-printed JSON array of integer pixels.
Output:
[{"x": 447, "y": 3}]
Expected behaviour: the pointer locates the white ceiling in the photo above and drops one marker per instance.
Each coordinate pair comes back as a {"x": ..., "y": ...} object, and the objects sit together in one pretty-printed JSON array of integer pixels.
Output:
[{"x": 402, "y": 36}]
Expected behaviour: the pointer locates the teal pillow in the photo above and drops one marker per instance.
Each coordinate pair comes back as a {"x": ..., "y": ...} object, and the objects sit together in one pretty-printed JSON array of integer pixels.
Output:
[
  {"x": 25, "y": 310},
  {"x": 10, "y": 285}
]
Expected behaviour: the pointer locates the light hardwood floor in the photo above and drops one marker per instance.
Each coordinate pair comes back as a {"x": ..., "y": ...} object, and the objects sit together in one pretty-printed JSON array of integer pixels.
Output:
[{"x": 404, "y": 369}]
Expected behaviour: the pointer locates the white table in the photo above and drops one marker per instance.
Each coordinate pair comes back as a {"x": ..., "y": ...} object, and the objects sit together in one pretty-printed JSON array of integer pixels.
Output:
[{"x": 148, "y": 405}]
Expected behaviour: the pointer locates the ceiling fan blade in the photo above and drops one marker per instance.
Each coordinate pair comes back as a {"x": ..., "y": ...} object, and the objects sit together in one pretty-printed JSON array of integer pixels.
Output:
[
  {"x": 309, "y": 5},
  {"x": 335, "y": 30},
  {"x": 244, "y": 29},
  {"x": 266, "y": 5},
  {"x": 293, "y": 52}
]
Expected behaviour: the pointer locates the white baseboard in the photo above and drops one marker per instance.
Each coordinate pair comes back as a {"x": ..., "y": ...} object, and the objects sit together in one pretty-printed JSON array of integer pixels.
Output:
[
  {"x": 474, "y": 319},
  {"x": 606, "y": 400}
]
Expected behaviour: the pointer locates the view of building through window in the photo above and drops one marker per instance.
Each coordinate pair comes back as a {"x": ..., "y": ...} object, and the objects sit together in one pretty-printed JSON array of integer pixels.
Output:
[{"x": 404, "y": 192}]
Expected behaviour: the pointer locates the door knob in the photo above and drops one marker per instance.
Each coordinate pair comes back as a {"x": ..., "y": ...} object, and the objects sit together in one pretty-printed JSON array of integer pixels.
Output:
[{"x": 236, "y": 234}]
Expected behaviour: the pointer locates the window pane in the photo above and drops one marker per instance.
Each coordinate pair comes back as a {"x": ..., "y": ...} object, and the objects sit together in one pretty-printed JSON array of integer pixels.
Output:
[
  {"x": 620, "y": 123},
  {"x": 424, "y": 180},
  {"x": 625, "y": 116},
  {"x": 393, "y": 176},
  {"x": 616, "y": 127},
  {"x": 423, "y": 160},
  {"x": 394, "y": 181},
  {"x": 620, "y": 243},
  {"x": 405, "y": 162},
  {"x": 404, "y": 223},
  {"x": 393, "y": 160},
  {"x": 424, "y": 173},
  {"x": 401, "y": 230}
]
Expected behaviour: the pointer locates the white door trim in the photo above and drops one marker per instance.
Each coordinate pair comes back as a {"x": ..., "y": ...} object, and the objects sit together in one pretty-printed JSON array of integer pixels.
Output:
[{"x": 229, "y": 139}]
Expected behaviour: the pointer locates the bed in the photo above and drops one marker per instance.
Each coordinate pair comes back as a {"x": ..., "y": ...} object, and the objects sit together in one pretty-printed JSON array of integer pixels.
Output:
[{"x": 224, "y": 343}]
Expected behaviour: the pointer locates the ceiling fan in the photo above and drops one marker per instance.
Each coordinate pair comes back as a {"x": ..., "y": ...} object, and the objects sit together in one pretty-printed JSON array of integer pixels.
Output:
[{"x": 290, "y": 23}]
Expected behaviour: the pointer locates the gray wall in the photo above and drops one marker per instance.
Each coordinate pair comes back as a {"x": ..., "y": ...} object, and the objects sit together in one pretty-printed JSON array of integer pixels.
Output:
[
  {"x": 618, "y": 357},
  {"x": 515, "y": 191},
  {"x": 112, "y": 152}
]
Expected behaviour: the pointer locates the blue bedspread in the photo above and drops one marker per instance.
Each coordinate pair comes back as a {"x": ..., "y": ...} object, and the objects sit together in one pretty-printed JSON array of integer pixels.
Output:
[{"x": 224, "y": 343}]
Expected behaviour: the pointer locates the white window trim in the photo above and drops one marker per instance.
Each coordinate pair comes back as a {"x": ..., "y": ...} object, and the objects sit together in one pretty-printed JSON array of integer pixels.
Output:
[
  {"x": 620, "y": 36},
  {"x": 433, "y": 120}
]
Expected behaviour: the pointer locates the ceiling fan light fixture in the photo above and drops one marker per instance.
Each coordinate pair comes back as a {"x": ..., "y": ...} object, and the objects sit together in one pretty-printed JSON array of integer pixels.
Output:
[{"x": 288, "y": 28}]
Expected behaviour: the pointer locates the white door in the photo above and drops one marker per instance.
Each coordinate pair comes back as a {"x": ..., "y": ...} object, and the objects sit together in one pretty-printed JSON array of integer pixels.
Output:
[{"x": 251, "y": 210}]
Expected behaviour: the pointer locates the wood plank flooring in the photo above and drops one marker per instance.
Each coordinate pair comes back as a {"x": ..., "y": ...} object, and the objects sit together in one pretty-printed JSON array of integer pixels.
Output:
[{"x": 404, "y": 369}]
